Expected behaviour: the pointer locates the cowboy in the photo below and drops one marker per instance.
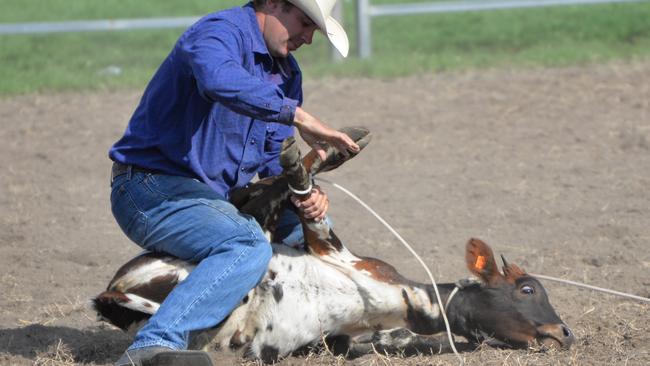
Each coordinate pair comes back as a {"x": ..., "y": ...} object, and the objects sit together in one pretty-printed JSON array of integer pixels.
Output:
[{"x": 214, "y": 116}]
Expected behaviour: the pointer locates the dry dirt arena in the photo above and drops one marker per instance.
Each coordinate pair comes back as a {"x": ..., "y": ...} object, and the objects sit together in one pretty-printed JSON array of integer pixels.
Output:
[{"x": 549, "y": 166}]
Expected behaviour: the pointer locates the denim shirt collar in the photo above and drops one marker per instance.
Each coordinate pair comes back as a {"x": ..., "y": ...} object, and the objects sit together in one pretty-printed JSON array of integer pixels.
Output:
[{"x": 259, "y": 45}]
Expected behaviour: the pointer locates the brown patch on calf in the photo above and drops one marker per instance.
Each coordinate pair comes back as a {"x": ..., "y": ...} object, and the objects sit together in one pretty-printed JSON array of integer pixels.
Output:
[
  {"x": 115, "y": 296},
  {"x": 511, "y": 271},
  {"x": 320, "y": 246},
  {"x": 236, "y": 340},
  {"x": 380, "y": 270},
  {"x": 523, "y": 335},
  {"x": 309, "y": 159},
  {"x": 157, "y": 289},
  {"x": 315, "y": 244}
]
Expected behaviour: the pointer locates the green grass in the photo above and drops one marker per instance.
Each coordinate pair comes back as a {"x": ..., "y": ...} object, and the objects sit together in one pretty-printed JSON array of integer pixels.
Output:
[
  {"x": 402, "y": 45},
  {"x": 14, "y": 11}
]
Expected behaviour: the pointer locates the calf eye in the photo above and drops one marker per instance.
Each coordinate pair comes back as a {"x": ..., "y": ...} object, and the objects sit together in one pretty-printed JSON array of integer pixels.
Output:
[{"x": 528, "y": 290}]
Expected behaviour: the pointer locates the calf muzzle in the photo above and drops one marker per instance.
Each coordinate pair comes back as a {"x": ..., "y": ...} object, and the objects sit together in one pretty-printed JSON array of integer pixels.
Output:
[{"x": 557, "y": 336}]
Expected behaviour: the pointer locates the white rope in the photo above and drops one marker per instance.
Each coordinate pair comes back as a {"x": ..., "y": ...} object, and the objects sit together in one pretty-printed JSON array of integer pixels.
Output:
[
  {"x": 433, "y": 282},
  {"x": 545, "y": 277},
  {"x": 399, "y": 237},
  {"x": 298, "y": 192},
  {"x": 451, "y": 296},
  {"x": 595, "y": 288}
]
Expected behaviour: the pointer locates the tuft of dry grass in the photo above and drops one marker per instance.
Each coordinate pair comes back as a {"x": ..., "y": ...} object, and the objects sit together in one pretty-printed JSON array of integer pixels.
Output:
[
  {"x": 55, "y": 311},
  {"x": 58, "y": 354}
]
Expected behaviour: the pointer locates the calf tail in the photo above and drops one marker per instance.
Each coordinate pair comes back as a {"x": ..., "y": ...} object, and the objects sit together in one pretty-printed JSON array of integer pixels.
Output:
[{"x": 123, "y": 310}]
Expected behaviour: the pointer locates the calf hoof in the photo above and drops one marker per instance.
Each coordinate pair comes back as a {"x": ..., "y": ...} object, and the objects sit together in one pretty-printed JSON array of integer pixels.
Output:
[
  {"x": 335, "y": 158},
  {"x": 179, "y": 358}
]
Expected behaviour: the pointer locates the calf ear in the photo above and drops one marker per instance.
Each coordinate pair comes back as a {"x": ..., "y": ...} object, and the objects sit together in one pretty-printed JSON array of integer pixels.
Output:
[{"x": 480, "y": 261}]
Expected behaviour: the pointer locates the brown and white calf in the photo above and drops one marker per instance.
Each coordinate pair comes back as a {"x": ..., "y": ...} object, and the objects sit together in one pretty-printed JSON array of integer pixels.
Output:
[{"x": 324, "y": 290}]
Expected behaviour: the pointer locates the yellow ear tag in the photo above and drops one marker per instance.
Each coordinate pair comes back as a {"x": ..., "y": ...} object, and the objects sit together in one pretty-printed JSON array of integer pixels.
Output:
[{"x": 480, "y": 262}]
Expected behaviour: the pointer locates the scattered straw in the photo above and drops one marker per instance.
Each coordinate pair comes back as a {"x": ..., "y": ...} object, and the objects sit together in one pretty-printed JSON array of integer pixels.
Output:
[{"x": 58, "y": 354}]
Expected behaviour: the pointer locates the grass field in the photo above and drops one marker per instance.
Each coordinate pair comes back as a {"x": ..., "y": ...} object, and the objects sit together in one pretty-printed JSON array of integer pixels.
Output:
[{"x": 401, "y": 45}]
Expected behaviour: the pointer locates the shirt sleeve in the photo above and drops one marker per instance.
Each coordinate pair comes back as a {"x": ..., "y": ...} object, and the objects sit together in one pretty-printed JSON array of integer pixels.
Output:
[
  {"x": 215, "y": 52},
  {"x": 277, "y": 133}
]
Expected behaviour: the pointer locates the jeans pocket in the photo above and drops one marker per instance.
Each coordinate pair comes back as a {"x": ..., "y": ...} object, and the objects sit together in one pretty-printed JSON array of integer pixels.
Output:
[{"x": 129, "y": 217}]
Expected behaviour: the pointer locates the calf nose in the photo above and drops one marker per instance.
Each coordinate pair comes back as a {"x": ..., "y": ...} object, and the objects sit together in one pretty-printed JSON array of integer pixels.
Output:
[
  {"x": 553, "y": 335},
  {"x": 569, "y": 338}
]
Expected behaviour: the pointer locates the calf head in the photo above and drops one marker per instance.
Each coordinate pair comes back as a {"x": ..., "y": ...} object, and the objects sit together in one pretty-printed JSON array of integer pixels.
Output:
[{"x": 512, "y": 307}]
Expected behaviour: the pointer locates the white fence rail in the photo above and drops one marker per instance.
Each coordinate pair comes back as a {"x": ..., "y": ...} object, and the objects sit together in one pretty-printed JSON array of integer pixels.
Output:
[
  {"x": 124, "y": 24},
  {"x": 366, "y": 11},
  {"x": 96, "y": 25}
]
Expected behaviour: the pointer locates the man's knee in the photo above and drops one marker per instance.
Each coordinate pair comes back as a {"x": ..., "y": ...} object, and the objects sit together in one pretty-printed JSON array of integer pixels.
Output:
[
  {"x": 249, "y": 235},
  {"x": 257, "y": 252}
]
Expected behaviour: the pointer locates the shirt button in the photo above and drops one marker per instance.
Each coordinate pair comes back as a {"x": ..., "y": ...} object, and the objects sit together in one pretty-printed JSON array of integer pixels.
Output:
[{"x": 252, "y": 141}]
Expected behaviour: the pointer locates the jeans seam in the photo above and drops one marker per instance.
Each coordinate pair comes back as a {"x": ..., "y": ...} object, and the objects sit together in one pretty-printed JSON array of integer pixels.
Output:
[
  {"x": 151, "y": 183},
  {"x": 227, "y": 214},
  {"x": 139, "y": 212},
  {"x": 160, "y": 343},
  {"x": 204, "y": 293},
  {"x": 128, "y": 193}
]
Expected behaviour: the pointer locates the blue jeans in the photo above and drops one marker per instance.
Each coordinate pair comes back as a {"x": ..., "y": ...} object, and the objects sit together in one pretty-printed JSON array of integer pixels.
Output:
[{"x": 185, "y": 218}]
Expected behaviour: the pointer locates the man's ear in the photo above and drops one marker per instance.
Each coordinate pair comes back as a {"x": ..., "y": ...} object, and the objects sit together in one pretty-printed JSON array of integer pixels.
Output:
[{"x": 480, "y": 261}]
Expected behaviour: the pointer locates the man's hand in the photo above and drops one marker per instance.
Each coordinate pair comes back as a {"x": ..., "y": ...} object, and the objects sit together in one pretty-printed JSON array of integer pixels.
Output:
[
  {"x": 315, "y": 207},
  {"x": 314, "y": 132}
]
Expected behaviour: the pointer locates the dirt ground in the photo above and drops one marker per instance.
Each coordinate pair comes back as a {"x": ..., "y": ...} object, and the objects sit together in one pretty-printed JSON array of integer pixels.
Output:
[{"x": 549, "y": 166}]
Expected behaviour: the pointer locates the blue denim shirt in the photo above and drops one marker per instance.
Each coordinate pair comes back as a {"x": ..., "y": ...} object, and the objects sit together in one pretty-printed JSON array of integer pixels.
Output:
[{"x": 218, "y": 108}]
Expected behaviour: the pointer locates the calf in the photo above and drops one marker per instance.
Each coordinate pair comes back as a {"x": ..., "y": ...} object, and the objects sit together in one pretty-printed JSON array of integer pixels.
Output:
[{"x": 324, "y": 290}]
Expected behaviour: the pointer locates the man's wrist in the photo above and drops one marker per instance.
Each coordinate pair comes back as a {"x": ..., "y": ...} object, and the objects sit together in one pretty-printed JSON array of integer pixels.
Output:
[
  {"x": 303, "y": 119},
  {"x": 299, "y": 117}
]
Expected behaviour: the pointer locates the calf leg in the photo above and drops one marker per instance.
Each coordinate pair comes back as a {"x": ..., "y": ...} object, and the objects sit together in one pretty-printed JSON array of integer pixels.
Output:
[
  {"x": 403, "y": 341},
  {"x": 269, "y": 197},
  {"x": 266, "y": 199}
]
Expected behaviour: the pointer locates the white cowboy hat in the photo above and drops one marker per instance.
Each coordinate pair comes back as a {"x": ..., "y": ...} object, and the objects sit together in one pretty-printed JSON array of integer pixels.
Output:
[{"x": 319, "y": 11}]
